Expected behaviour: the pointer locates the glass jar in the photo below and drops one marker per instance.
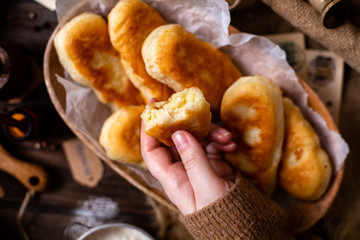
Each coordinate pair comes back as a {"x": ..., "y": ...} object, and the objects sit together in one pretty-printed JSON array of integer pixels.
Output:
[{"x": 14, "y": 71}]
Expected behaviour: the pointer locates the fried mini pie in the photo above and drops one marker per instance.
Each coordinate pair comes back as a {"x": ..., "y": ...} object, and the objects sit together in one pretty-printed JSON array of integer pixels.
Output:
[
  {"x": 130, "y": 22},
  {"x": 178, "y": 59},
  {"x": 84, "y": 50},
  {"x": 185, "y": 110},
  {"x": 305, "y": 168},
  {"x": 252, "y": 110},
  {"x": 120, "y": 135}
]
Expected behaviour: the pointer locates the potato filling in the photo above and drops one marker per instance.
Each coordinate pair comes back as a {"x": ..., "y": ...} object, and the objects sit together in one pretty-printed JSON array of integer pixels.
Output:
[{"x": 175, "y": 108}]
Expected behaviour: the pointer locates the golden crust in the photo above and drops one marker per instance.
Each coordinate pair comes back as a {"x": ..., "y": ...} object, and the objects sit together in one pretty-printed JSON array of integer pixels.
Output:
[
  {"x": 85, "y": 52},
  {"x": 185, "y": 110},
  {"x": 120, "y": 135},
  {"x": 130, "y": 22},
  {"x": 252, "y": 110},
  {"x": 180, "y": 60},
  {"x": 305, "y": 168}
]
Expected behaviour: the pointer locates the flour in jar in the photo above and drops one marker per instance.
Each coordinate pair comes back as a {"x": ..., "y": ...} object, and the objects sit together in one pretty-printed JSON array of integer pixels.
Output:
[{"x": 117, "y": 233}]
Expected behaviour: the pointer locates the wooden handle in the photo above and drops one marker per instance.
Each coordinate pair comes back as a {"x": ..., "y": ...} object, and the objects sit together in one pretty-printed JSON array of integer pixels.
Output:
[{"x": 30, "y": 175}]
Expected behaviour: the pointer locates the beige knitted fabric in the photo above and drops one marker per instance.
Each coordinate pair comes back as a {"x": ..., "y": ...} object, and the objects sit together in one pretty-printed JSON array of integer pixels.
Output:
[
  {"x": 243, "y": 213},
  {"x": 344, "y": 40}
]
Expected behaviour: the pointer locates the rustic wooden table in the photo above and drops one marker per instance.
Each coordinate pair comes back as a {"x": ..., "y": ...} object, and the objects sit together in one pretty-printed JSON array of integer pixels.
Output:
[{"x": 64, "y": 202}]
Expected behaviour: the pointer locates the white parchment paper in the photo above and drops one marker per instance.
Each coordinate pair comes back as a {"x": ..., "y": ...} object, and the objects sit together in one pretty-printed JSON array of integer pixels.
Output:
[{"x": 208, "y": 20}]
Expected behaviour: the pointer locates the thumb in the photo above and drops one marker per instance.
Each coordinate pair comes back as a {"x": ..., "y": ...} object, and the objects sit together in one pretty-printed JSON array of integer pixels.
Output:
[{"x": 207, "y": 185}]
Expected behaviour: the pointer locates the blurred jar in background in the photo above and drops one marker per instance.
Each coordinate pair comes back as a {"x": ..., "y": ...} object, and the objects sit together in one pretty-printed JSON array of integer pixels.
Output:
[
  {"x": 355, "y": 12},
  {"x": 14, "y": 71}
]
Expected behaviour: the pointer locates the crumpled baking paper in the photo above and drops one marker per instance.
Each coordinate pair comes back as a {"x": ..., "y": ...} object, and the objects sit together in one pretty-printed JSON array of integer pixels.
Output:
[{"x": 209, "y": 21}]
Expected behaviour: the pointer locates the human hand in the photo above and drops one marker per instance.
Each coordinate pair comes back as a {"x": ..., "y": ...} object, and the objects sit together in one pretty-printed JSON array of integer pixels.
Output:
[{"x": 191, "y": 176}]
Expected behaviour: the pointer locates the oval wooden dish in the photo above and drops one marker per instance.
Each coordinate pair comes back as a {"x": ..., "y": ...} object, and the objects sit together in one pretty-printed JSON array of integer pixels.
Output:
[{"x": 302, "y": 215}]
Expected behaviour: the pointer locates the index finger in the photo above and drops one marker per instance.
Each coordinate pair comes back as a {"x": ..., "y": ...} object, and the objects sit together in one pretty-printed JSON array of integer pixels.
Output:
[
  {"x": 157, "y": 158},
  {"x": 170, "y": 174},
  {"x": 219, "y": 134},
  {"x": 148, "y": 143}
]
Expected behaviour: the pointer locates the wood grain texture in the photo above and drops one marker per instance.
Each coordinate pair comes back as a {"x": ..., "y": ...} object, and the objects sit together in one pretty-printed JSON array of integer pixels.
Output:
[
  {"x": 32, "y": 176},
  {"x": 64, "y": 201}
]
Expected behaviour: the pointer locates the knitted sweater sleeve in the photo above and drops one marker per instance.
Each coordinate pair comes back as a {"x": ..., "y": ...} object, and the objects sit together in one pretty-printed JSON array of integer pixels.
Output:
[{"x": 243, "y": 213}]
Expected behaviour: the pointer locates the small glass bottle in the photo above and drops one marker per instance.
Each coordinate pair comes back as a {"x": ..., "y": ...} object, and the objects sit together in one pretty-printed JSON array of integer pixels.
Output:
[{"x": 21, "y": 124}]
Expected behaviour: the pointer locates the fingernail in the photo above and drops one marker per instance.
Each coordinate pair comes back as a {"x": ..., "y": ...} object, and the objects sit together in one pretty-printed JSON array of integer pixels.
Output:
[
  {"x": 152, "y": 100},
  {"x": 224, "y": 132},
  {"x": 180, "y": 140},
  {"x": 232, "y": 146}
]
